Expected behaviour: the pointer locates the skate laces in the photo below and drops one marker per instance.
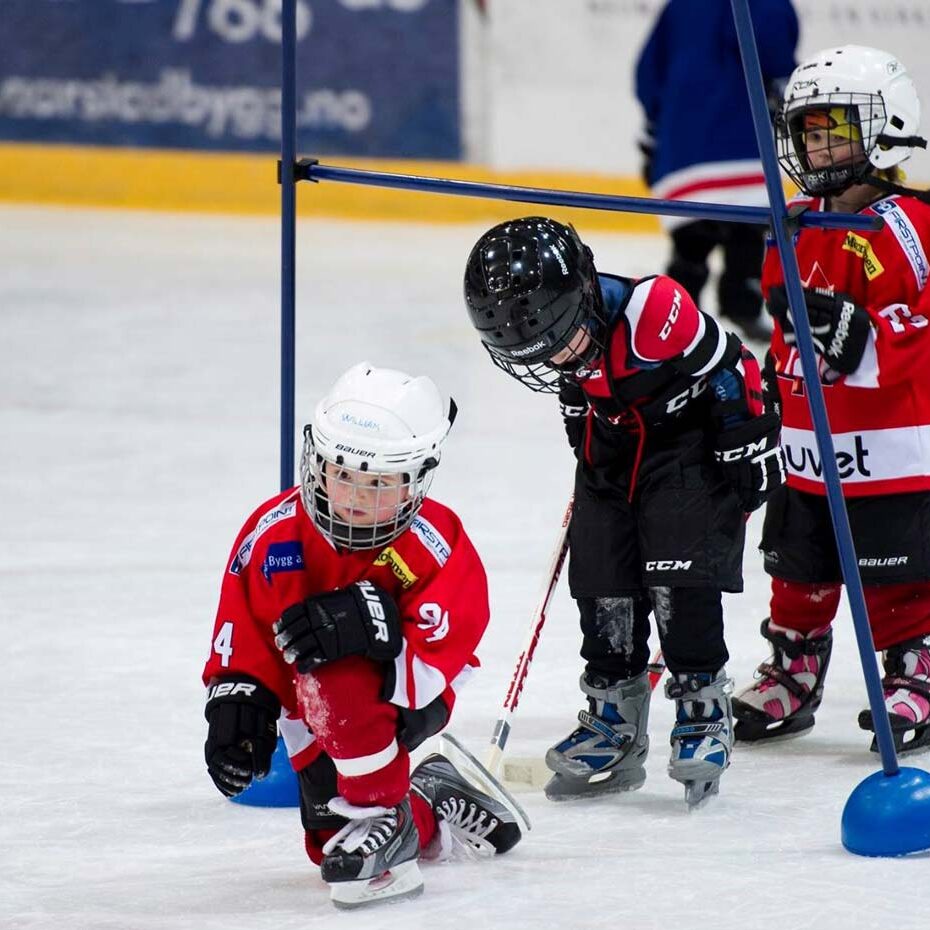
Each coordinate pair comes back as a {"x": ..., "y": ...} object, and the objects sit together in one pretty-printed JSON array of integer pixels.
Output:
[
  {"x": 365, "y": 834},
  {"x": 470, "y": 823}
]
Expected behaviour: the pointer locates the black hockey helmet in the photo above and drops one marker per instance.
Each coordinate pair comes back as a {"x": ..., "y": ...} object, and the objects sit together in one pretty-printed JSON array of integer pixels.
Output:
[{"x": 530, "y": 285}]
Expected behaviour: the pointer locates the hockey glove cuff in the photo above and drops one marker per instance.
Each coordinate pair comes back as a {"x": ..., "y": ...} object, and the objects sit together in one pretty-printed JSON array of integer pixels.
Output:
[
  {"x": 361, "y": 619},
  {"x": 242, "y": 715},
  {"x": 752, "y": 459}
]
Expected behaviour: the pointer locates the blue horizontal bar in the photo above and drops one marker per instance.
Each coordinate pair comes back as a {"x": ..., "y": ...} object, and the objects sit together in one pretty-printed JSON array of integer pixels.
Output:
[{"x": 705, "y": 211}]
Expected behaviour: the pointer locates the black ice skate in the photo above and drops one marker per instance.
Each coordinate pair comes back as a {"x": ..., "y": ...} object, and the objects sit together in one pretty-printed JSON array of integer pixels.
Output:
[
  {"x": 906, "y": 686},
  {"x": 373, "y": 857},
  {"x": 789, "y": 687},
  {"x": 475, "y": 820},
  {"x": 607, "y": 751}
]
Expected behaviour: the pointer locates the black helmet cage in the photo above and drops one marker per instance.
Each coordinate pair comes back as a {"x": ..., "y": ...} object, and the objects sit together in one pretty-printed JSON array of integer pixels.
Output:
[
  {"x": 865, "y": 118},
  {"x": 530, "y": 286}
]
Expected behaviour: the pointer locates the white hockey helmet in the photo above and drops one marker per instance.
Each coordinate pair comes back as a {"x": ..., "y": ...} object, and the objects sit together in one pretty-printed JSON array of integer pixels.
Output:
[
  {"x": 370, "y": 453},
  {"x": 864, "y": 95}
]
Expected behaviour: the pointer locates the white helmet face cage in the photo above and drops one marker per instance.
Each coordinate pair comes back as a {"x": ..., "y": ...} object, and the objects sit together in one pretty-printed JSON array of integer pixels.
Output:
[
  {"x": 370, "y": 454},
  {"x": 866, "y": 109}
]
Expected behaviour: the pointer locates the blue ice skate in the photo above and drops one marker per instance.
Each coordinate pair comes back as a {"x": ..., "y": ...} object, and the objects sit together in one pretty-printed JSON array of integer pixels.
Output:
[
  {"x": 702, "y": 737},
  {"x": 608, "y": 749}
]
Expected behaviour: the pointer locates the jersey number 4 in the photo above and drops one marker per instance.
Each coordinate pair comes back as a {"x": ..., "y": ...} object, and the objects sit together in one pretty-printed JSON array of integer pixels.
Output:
[{"x": 222, "y": 645}]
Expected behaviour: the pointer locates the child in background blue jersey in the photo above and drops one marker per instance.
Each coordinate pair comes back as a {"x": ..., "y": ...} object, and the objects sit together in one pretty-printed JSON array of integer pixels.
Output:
[{"x": 700, "y": 144}]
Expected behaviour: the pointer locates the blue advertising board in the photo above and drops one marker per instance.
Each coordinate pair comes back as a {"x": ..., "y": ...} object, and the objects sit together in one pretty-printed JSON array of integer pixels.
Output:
[{"x": 376, "y": 78}]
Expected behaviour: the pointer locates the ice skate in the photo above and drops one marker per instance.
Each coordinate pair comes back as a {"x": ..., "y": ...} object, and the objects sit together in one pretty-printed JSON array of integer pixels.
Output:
[
  {"x": 702, "y": 737},
  {"x": 373, "y": 857},
  {"x": 789, "y": 687},
  {"x": 607, "y": 751},
  {"x": 474, "y": 820},
  {"x": 907, "y": 696}
]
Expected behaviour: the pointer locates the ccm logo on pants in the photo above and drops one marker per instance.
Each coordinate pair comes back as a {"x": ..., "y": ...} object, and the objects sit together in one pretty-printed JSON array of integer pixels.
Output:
[{"x": 668, "y": 565}]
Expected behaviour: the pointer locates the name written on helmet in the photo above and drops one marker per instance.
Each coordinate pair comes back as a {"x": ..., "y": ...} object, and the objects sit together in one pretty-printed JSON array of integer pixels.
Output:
[
  {"x": 353, "y": 451},
  {"x": 360, "y": 423},
  {"x": 526, "y": 351}
]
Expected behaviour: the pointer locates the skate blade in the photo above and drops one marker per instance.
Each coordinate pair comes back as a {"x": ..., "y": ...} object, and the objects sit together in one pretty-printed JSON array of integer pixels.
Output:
[
  {"x": 471, "y": 768},
  {"x": 402, "y": 882},
  {"x": 749, "y": 734},
  {"x": 919, "y": 743},
  {"x": 572, "y": 788},
  {"x": 698, "y": 793}
]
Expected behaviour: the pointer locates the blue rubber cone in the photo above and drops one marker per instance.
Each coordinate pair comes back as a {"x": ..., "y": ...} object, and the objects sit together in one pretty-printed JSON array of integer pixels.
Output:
[
  {"x": 278, "y": 788},
  {"x": 888, "y": 815}
]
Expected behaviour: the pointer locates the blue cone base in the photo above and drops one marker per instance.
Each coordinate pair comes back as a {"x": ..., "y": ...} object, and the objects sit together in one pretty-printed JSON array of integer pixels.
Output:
[
  {"x": 277, "y": 789},
  {"x": 888, "y": 815}
]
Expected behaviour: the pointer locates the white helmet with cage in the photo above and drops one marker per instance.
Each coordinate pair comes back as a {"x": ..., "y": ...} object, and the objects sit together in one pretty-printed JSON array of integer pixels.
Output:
[
  {"x": 856, "y": 93},
  {"x": 370, "y": 453}
]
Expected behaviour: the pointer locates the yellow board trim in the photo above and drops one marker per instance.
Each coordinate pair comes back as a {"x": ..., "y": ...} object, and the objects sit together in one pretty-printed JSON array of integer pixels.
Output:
[{"x": 223, "y": 182}]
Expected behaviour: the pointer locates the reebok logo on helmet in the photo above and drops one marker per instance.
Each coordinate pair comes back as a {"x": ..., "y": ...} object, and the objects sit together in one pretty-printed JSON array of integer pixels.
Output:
[{"x": 517, "y": 353}]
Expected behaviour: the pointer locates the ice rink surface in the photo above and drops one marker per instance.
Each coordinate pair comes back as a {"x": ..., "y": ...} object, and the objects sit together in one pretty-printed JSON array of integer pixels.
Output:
[{"x": 139, "y": 424}]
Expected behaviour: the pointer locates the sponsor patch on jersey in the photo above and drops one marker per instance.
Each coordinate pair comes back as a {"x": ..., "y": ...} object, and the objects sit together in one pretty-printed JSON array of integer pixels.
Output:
[
  {"x": 283, "y": 557},
  {"x": 438, "y": 548},
  {"x": 903, "y": 230},
  {"x": 399, "y": 568},
  {"x": 244, "y": 552},
  {"x": 863, "y": 248}
]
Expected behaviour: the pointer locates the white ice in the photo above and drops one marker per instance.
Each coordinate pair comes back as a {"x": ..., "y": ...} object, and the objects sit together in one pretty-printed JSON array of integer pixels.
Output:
[{"x": 139, "y": 424}]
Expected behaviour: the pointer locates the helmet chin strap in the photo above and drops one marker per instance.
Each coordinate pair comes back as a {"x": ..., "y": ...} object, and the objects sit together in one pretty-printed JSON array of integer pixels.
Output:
[{"x": 890, "y": 187}]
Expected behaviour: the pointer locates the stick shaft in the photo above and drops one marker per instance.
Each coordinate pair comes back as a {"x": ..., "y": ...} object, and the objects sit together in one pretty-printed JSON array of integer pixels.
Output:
[{"x": 537, "y": 621}]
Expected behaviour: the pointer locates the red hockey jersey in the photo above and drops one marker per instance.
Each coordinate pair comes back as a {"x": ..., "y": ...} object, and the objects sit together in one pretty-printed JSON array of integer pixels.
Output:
[
  {"x": 880, "y": 414},
  {"x": 432, "y": 571}
]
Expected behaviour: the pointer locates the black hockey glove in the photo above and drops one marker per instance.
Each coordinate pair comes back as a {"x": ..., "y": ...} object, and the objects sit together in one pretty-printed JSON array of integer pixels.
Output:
[
  {"x": 839, "y": 326},
  {"x": 752, "y": 459},
  {"x": 242, "y": 715},
  {"x": 574, "y": 406},
  {"x": 360, "y": 620},
  {"x": 414, "y": 726}
]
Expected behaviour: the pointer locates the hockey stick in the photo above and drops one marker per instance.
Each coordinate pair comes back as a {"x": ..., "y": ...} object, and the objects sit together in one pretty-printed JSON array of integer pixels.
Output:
[
  {"x": 494, "y": 755},
  {"x": 526, "y": 772}
]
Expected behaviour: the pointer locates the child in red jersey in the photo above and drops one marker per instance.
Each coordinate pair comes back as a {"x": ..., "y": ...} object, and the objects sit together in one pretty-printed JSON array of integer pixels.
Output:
[
  {"x": 850, "y": 117},
  {"x": 350, "y": 609}
]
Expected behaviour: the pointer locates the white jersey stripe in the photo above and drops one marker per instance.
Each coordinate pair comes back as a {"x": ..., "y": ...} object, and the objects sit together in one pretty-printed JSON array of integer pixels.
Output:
[
  {"x": 864, "y": 456},
  {"x": 720, "y": 348},
  {"x": 365, "y": 765},
  {"x": 634, "y": 313}
]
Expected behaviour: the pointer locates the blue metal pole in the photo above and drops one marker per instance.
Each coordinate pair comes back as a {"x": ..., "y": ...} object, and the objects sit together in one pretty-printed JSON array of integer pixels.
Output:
[
  {"x": 789, "y": 260},
  {"x": 715, "y": 211},
  {"x": 288, "y": 233}
]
